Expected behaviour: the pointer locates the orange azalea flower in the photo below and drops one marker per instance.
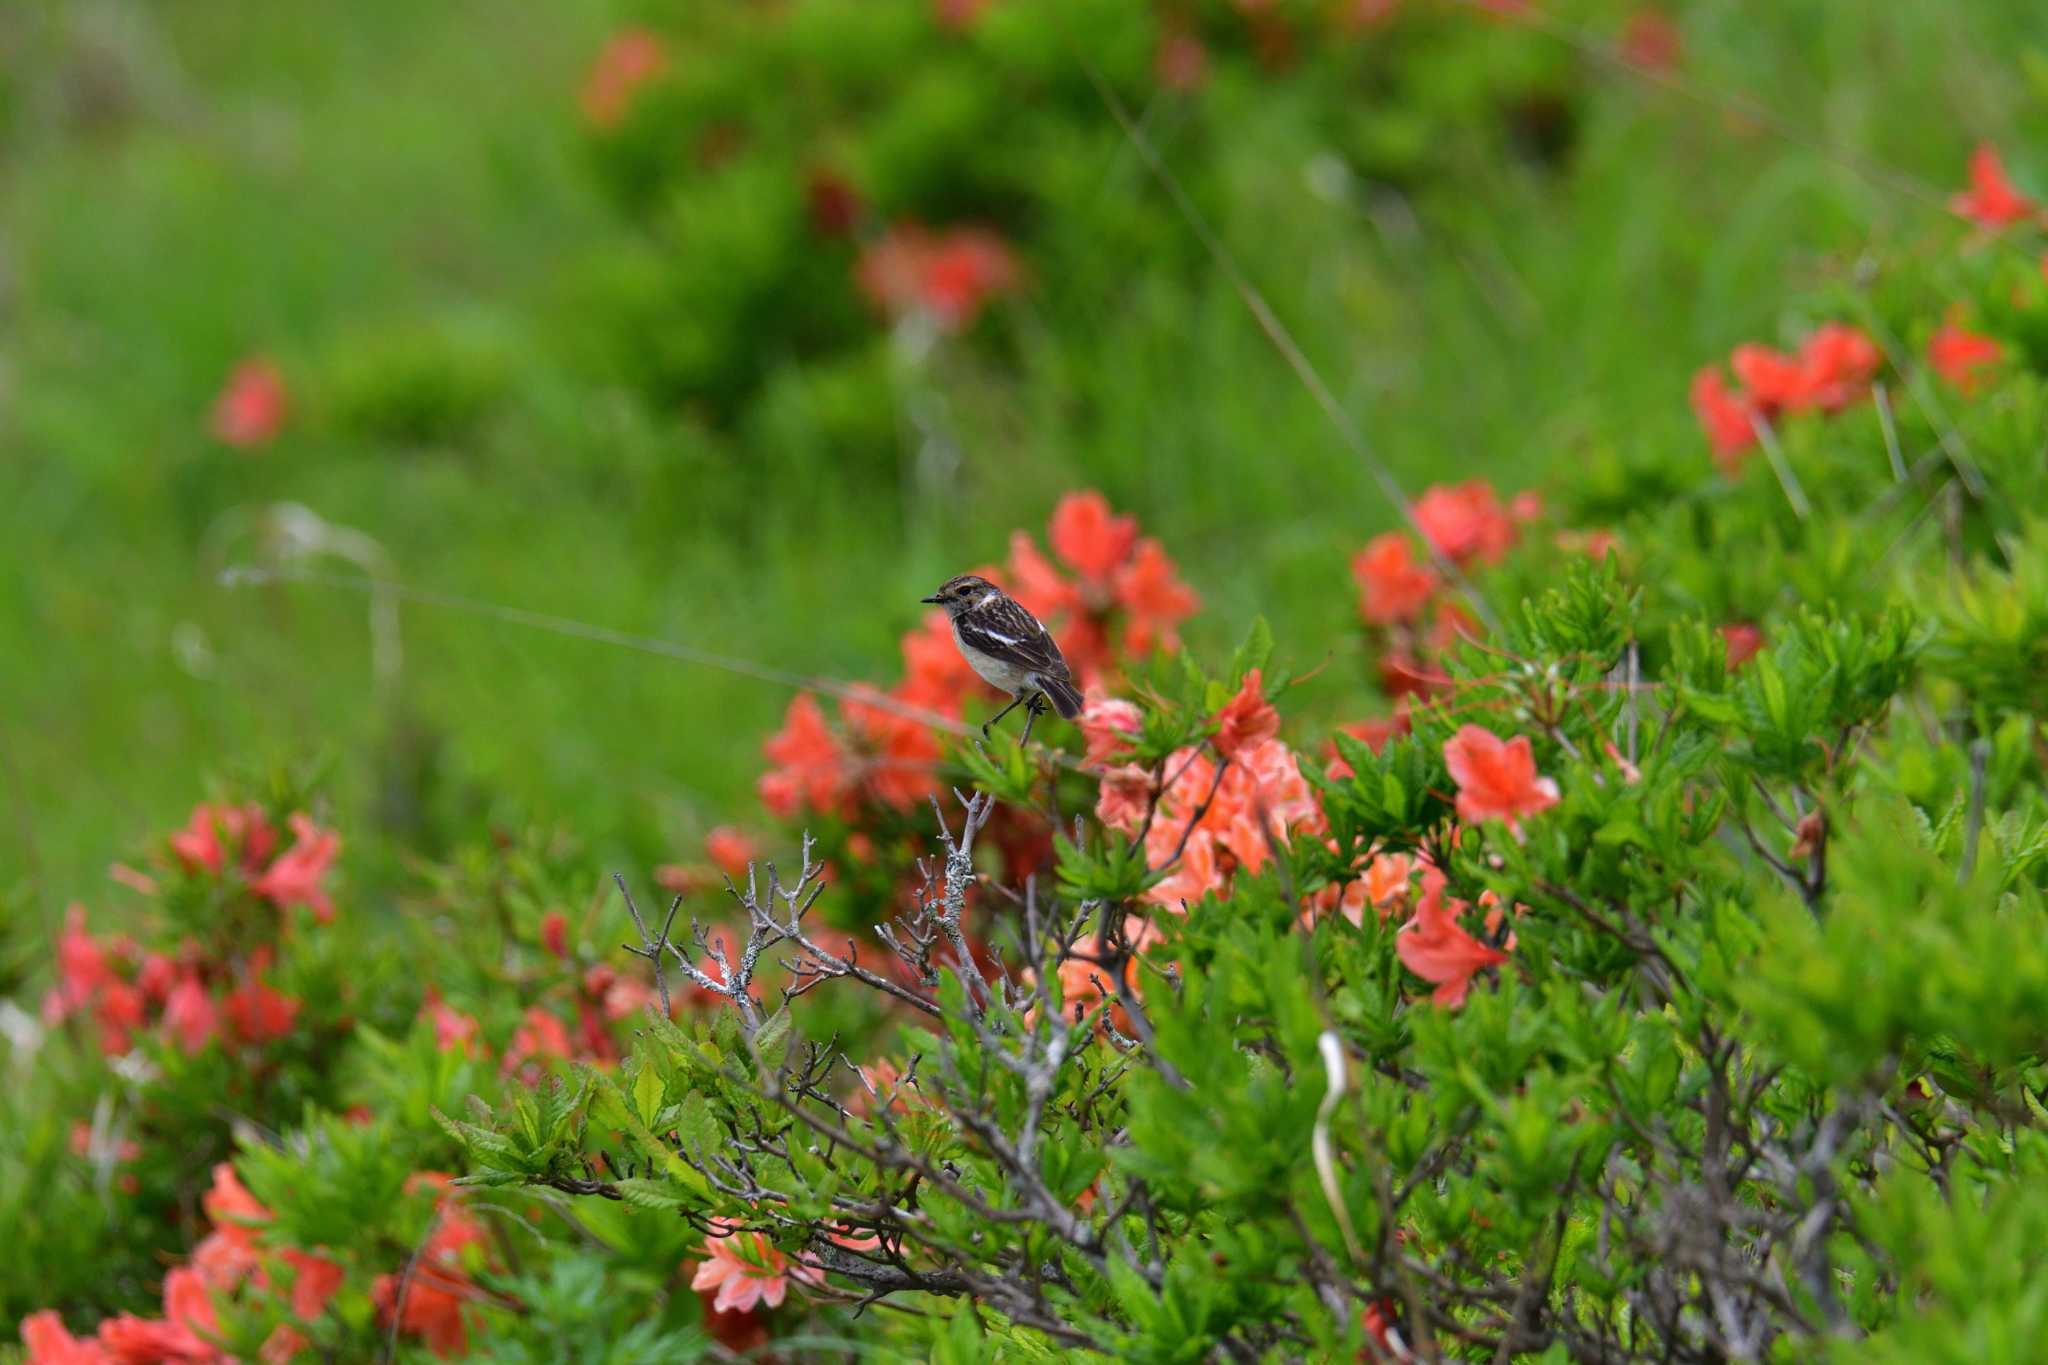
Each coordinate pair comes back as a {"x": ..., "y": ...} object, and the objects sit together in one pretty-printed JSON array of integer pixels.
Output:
[
  {"x": 1246, "y": 719},
  {"x": 1465, "y": 521},
  {"x": 258, "y": 1012},
  {"x": 630, "y": 58},
  {"x": 252, "y": 406},
  {"x": 1960, "y": 356},
  {"x": 732, "y": 849},
  {"x": 1395, "y": 587},
  {"x": 1650, "y": 40},
  {"x": 1743, "y": 641},
  {"x": 1725, "y": 416},
  {"x": 902, "y": 753},
  {"x": 1125, "y": 799},
  {"x": 1082, "y": 983},
  {"x": 1496, "y": 779},
  {"x": 746, "y": 1269},
  {"x": 1092, "y": 541},
  {"x": 190, "y": 1017},
  {"x": 1036, "y": 583},
  {"x": 198, "y": 845},
  {"x": 1992, "y": 201},
  {"x": 1154, "y": 598},
  {"x": 294, "y": 879},
  {"x": 540, "y": 1035},
  {"x": 947, "y": 276},
  {"x": 438, "y": 1286},
  {"x": 812, "y": 769},
  {"x": 1108, "y": 725},
  {"x": 1433, "y": 946},
  {"x": 452, "y": 1028},
  {"x": 180, "y": 1336},
  {"x": 1836, "y": 364},
  {"x": 47, "y": 1342}
]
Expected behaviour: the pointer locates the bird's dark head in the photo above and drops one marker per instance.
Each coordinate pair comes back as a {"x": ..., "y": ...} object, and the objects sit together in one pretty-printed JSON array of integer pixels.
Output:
[{"x": 958, "y": 594}]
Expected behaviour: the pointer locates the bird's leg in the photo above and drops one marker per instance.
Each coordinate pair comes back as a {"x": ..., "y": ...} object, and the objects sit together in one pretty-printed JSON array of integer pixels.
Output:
[
  {"x": 1015, "y": 702},
  {"x": 1032, "y": 711}
]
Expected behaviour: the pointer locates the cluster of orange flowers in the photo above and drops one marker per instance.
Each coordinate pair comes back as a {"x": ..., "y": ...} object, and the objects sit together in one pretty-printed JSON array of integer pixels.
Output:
[
  {"x": 190, "y": 996},
  {"x": 1836, "y": 364}
]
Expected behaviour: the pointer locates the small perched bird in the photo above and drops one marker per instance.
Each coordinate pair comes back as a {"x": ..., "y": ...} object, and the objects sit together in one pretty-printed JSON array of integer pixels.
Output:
[{"x": 1009, "y": 648}]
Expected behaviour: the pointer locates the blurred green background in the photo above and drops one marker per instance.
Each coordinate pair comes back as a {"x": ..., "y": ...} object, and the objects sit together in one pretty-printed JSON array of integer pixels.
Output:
[{"x": 404, "y": 206}]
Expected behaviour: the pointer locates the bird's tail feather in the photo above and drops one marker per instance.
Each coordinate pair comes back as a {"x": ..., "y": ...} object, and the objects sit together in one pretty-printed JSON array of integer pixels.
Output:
[{"x": 1065, "y": 697}]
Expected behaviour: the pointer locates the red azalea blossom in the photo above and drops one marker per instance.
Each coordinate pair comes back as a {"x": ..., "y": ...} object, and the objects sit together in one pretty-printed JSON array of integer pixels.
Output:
[
  {"x": 1094, "y": 542},
  {"x": 190, "y": 1017},
  {"x": 1108, "y": 725},
  {"x": 294, "y": 879},
  {"x": 1125, "y": 799},
  {"x": 731, "y": 849},
  {"x": 1496, "y": 779},
  {"x": 428, "y": 1303},
  {"x": 258, "y": 1013},
  {"x": 1651, "y": 41},
  {"x": 811, "y": 769},
  {"x": 198, "y": 845},
  {"x": 47, "y": 1342},
  {"x": 1180, "y": 63},
  {"x": 948, "y": 276},
  {"x": 452, "y": 1028},
  {"x": 179, "y": 1338},
  {"x": 1960, "y": 356},
  {"x": 252, "y": 406},
  {"x": 958, "y": 14},
  {"x": 1743, "y": 642},
  {"x": 1836, "y": 365},
  {"x": 1435, "y": 948},
  {"x": 1726, "y": 416},
  {"x": 630, "y": 58},
  {"x": 540, "y": 1034},
  {"x": 1992, "y": 201},
  {"x": 1036, "y": 583},
  {"x": 902, "y": 753},
  {"x": 1246, "y": 719},
  {"x": 1154, "y": 599},
  {"x": 1465, "y": 521},
  {"x": 554, "y": 933},
  {"x": 1394, "y": 587}
]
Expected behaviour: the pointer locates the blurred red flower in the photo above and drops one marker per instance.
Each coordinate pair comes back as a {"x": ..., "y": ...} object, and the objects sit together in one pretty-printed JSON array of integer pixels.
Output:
[
  {"x": 1394, "y": 588},
  {"x": 732, "y": 849},
  {"x": 811, "y": 768},
  {"x": 1651, "y": 41},
  {"x": 1743, "y": 642},
  {"x": 1960, "y": 356},
  {"x": 294, "y": 879},
  {"x": 1465, "y": 521},
  {"x": 1726, "y": 416},
  {"x": 629, "y": 59},
  {"x": 252, "y": 405},
  {"x": 1992, "y": 201},
  {"x": 948, "y": 276}
]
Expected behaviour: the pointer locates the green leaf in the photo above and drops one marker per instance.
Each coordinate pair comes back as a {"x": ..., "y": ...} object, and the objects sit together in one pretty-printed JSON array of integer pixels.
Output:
[{"x": 647, "y": 1090}]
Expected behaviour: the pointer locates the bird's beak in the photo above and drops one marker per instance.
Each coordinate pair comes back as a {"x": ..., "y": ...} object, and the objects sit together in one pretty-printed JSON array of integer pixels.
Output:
[{"x": 929, "y": 601}]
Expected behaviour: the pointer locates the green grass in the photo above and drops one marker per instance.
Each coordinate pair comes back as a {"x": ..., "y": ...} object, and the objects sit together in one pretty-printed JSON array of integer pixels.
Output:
[{"x": 185, "y": 184}]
